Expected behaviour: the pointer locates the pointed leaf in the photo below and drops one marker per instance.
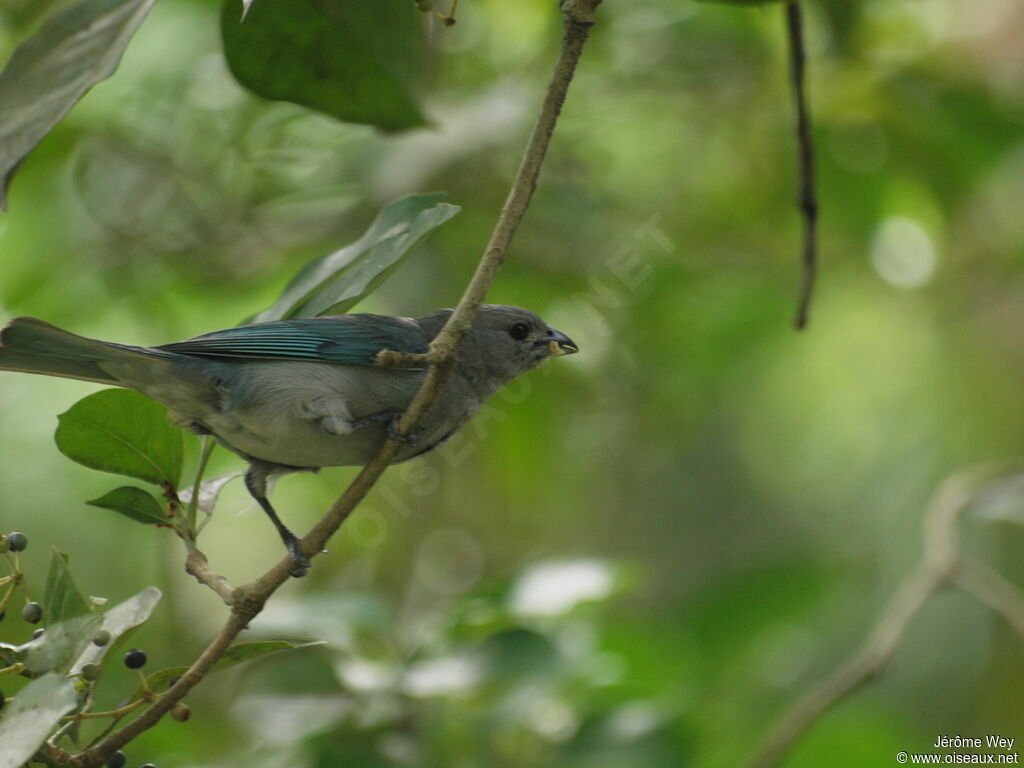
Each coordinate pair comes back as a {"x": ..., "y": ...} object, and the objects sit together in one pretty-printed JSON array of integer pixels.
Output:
[
  {"x": 124, "y": 432},
  {"x": 338, "y": 281},
  {"x": 236, "y": 654},
  {"x": 256, "y": 649},
  {"x": 36, "y": 710},
  {"x": 52, "y": 70},
  {"x": 132, "y": 502},
  {"x": 62, "y": 598},
  {"x": 118, "y": 621},
  {"x": 367, "y": 273},
  {"x": 353, "y": 60}
]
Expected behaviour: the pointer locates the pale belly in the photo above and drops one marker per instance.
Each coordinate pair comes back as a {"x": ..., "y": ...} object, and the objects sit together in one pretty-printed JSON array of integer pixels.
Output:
[
  {"x": 304, "y": 414},
  {"x": 297, "y": 443}
]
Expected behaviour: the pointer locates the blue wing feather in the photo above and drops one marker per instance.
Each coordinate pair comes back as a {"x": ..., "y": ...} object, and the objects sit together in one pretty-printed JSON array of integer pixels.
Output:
[{"x": 348, "y": 339}]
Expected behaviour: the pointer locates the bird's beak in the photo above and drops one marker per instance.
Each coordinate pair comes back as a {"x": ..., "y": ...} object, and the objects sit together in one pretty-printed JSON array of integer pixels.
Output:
[{"x": 559, "y": 344}]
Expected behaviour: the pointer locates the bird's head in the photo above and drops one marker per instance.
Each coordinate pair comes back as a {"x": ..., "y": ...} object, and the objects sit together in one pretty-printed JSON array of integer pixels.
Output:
[{"x": 505, "y": 341}]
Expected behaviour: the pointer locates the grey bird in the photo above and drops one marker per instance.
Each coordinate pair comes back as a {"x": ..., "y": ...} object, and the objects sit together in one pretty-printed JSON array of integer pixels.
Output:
[{"x": 300, "y": 394}]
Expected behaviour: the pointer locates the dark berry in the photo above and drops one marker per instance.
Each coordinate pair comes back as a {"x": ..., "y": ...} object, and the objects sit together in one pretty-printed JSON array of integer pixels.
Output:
[
  {"x": 38, "y": 633},
  {"x": 91, "y": 672},
  {"x": 101, "y": 638},
  {"x": 135, "y": 659},
  {"x": 17, "y": 541},
  {"x": 32, "y": 613},
  {"x": 117, "y": 760},
  {"x": 181, "y": 712}
]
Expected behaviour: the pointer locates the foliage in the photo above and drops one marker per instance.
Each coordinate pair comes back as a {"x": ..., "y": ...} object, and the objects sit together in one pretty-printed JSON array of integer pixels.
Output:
[
  {"x": 47, "y": 75},
  {"x": 68, "y": 659},
  {"x": 352, "y": 60},
  {"x": 763, "y": 490}
]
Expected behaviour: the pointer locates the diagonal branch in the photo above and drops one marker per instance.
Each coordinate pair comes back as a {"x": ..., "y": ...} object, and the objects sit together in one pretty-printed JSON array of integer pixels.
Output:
[
  {"x": 940, "y": 564},
  {"x": 247, "y": 601},
  {"x": 807, "y": 200}
]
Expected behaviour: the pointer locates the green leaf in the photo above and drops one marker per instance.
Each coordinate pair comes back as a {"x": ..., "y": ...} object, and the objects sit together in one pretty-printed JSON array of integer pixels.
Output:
[
  {"x": 132, "y": 502},
  {"x": 62, "y": 598},
  {"x": 124, "y": 432},
  {"x": 351, "y": 59},
  {"x": 60, "y": 644},
  {"x": 236, "y": 654},
  {"x": 37, "y": 709},
  {"x": 257, "y": 649},
  {"x": 334, "y": 283},
  {"x": 52, "y": 70},
  {"x": 118, "y": 621}
]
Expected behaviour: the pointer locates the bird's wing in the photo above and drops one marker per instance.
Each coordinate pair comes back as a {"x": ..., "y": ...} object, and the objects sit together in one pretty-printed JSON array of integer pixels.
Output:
[{"x": 351, "y": 339}]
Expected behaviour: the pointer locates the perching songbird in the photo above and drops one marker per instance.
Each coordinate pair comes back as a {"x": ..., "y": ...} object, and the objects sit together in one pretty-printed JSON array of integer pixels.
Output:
[{"x": 299, "y": 394}]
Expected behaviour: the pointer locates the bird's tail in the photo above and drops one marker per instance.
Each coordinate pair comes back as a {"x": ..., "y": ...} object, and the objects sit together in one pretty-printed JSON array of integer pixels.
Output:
[{"x": 32, "y": 346}]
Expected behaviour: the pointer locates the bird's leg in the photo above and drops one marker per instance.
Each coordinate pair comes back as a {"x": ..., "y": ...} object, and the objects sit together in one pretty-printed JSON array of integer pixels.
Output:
[
  {"x": 256, "y": 483},
  {"x": 391, "y": 418}
]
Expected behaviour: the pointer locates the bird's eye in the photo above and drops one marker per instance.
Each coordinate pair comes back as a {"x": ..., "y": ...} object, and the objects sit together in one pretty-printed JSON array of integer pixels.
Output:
[{"x": 519, "y": 331}]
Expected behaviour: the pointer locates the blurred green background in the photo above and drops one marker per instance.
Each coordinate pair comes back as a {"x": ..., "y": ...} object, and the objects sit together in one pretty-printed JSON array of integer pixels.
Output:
[{"x": 637, "y": 556}]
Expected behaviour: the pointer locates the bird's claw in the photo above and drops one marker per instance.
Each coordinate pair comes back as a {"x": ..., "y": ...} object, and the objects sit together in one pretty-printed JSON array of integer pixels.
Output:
[
  {"x": 395, "y": 433},
  {"x": 392, "y": 420},
  {"x": 300, "y": 563}
]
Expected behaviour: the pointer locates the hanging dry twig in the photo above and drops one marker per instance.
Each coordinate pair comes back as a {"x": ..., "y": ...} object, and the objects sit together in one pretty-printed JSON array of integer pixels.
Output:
[{"x": 807, "y": 199}]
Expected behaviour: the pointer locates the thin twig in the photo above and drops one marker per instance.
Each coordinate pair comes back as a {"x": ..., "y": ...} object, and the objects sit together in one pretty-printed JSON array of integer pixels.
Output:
[
  {"x": 808, "y": 200},
  {"x": 247, "y": 601},
  {"x": 936, "y": 566},
  {"x": 206, "y": 448},
  {"x": 119, "y": 712},
  {"x": 993, "y": 590},
  {"x": 389, "y": 358},
  {"x": 197, "y": 565}
]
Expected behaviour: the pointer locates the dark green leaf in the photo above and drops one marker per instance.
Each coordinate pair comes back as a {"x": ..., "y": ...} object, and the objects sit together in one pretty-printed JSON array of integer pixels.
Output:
[
  {"x": 36, "y": 711},
  {"x": 50, "y": 72},
  {"x": 236, "y": 654},
  {"x": 334, "y": 283},
  {"x": 132, "y": 502},
  {"x": 351, "y": 59},
  {"x": 124, "y": 432},
  {"x": 62, "y": 599}
]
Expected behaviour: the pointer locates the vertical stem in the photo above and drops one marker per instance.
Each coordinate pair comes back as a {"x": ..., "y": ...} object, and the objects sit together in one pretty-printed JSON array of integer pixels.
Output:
[{"x": 807, "y": 200}]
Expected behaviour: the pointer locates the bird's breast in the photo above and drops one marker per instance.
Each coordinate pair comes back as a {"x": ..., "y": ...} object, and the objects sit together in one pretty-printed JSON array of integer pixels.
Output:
[{"x": 307, "y": 414}]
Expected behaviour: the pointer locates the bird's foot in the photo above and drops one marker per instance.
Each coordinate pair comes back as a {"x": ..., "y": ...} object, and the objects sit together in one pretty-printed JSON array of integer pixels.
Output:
[
  {"x": 392, "y": 419},
  {"x": 396, "y": 434},
  {"x": 300, "y": 563}
]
